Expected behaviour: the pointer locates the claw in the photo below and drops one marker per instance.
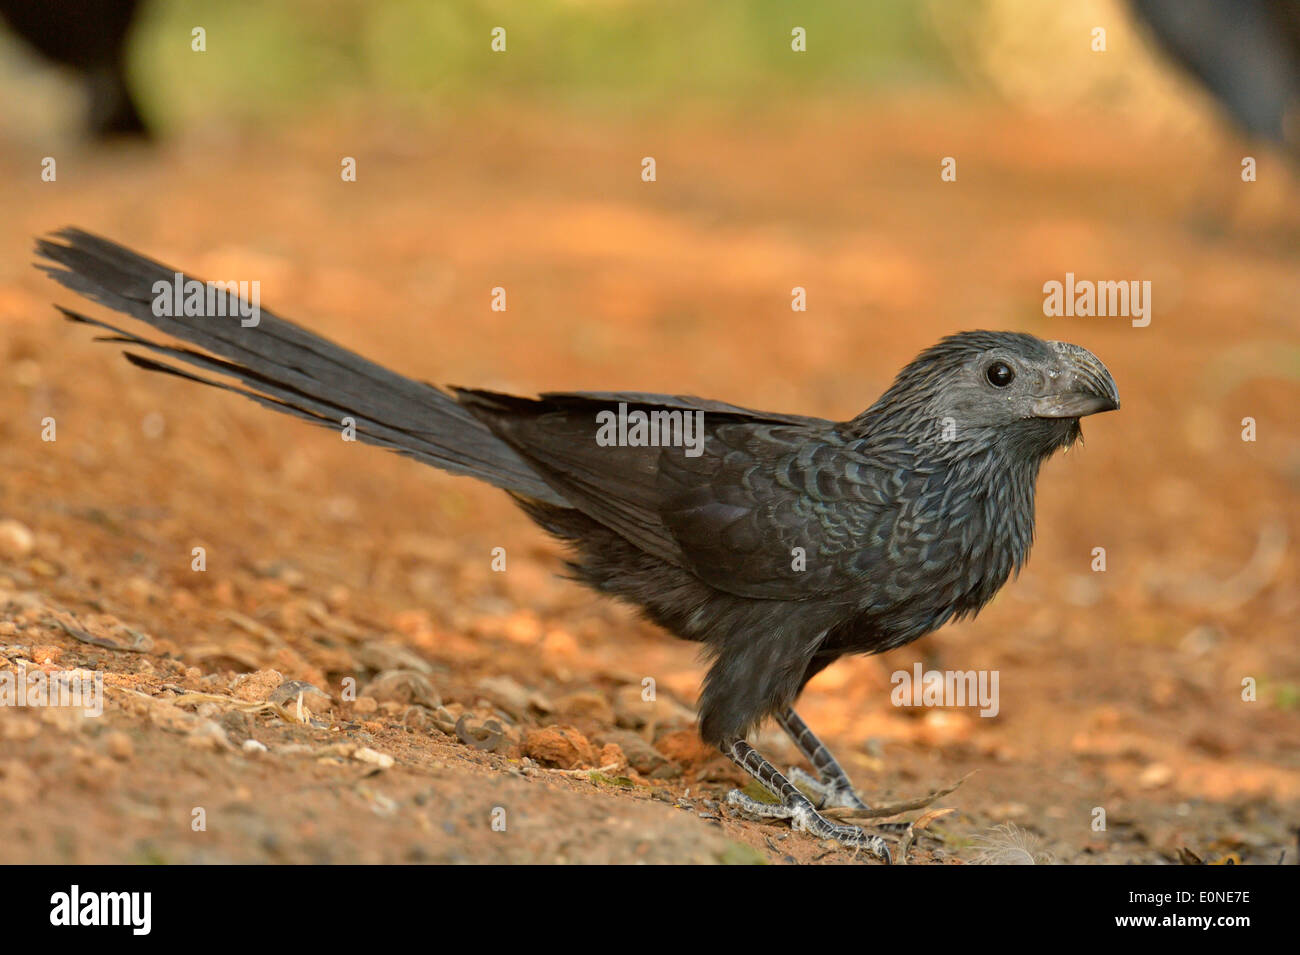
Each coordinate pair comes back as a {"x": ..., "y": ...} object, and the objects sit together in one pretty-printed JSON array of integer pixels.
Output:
[
  {"x": 752, "y": 808},
  {"x": 804, "y": 818}
]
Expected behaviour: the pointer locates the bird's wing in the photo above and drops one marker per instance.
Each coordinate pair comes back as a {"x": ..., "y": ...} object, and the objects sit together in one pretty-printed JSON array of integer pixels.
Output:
[
  {"x": 773, "y": 506},
  {"x": 609, "y": 399}
]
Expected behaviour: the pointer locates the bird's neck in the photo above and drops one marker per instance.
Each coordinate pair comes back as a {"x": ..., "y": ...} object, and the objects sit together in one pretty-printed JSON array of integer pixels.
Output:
[{"x": 1003, "y": 487}]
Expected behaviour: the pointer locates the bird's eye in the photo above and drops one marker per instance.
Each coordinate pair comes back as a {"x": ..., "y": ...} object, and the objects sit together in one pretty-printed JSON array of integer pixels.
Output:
[{"x": 1000, "y": 374}]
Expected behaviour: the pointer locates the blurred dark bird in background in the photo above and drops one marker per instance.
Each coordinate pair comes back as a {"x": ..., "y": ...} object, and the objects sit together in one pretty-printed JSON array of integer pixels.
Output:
[
  {"x": 779, "y": 542},
  {"x": 91, "y": 37},
  {"x": 1245, "y": 52}
]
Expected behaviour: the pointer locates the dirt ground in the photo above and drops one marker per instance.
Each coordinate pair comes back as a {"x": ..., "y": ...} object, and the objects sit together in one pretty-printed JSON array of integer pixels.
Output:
[{"x": 1120, "y": 691}]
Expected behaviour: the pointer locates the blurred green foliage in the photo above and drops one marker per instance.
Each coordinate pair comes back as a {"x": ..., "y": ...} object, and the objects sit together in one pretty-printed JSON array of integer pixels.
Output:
[{"x": 268, "y": 57}]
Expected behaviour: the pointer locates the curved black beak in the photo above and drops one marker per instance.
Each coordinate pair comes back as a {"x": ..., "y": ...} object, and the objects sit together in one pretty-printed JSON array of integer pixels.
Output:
[{"x": 1081, "y": 386}]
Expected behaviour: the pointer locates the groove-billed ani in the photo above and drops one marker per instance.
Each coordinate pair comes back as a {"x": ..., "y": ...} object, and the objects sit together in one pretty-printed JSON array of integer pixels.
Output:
[
  {"x": 1247, "y": 54},
  {"x": 91, "y": 37},
  {"x": 780, "y": 542}
]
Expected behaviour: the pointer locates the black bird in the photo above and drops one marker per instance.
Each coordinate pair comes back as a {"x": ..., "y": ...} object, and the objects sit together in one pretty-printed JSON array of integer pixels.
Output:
[
  {"x": 91, "y": 37},
  {"x": 778, "y": 541},
  {"x": 1246, "y": 53}
]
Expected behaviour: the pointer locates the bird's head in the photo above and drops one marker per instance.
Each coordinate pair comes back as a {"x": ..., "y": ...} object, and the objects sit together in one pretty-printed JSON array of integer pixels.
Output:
[{"x": 977, "y": 390}]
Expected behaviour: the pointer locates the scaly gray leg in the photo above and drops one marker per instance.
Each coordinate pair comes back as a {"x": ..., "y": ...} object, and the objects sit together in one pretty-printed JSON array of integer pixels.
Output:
[
  {"x": 834, "y": 789},
  {"x": 794, "y": 805}
]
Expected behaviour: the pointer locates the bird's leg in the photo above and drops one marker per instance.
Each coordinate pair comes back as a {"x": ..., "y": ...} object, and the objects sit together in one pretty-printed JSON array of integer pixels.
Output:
[
  {"x": 833, "y": 787},
  {"x": 793, "y": 805}
]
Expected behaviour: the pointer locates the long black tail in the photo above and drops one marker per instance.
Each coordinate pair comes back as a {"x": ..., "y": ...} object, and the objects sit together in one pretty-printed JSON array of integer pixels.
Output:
[{"x": 286, "y": 367}]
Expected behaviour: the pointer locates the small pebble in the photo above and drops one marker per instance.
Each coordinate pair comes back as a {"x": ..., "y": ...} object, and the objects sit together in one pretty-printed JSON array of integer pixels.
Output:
[
  {"x": 44, "y": 655},
  {"x": 15, "y": 539},
  {"x": 119, "y": 745},
  {"x": 367, "y": 755}
]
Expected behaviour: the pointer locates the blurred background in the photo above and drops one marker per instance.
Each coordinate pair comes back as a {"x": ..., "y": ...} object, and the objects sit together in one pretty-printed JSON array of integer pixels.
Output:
[
  {"x": 1115, "y": 156},
  {"x": 322, "y": 56}
]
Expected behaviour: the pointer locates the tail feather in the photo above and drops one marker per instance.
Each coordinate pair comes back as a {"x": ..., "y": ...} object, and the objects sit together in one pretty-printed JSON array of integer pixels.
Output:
[
  {"x": 300, "y": 406},
  {"x": 287, "y": 368}
]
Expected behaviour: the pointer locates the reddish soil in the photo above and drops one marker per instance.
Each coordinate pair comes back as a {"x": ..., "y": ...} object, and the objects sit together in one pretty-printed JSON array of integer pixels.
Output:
[{"x": 1119, "y": 690}]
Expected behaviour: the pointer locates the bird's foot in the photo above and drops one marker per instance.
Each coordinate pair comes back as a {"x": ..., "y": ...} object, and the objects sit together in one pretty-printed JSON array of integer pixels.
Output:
[
  {"x": 832, "y": 793},
  {"x": 803, "y": 817}
]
